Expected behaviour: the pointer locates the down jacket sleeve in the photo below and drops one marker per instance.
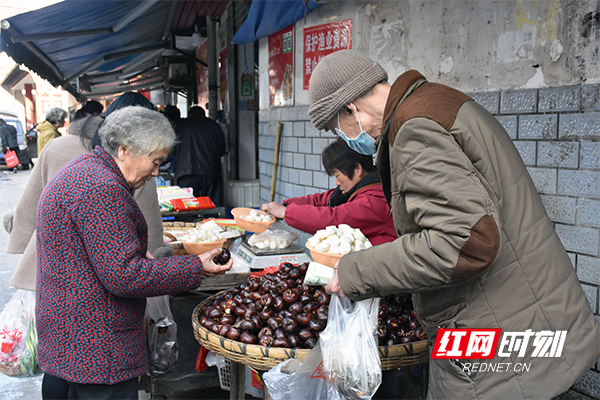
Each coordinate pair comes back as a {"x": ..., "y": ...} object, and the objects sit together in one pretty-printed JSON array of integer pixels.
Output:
[{"x": 448, "y": 220}]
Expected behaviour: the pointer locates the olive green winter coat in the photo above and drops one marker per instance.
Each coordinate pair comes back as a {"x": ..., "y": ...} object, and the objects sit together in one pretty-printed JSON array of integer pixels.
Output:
[{"x": 475, "y": 247}]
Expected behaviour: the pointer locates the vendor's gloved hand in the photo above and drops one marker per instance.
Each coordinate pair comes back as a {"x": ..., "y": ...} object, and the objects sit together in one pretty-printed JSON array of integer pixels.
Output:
[
  {"x": 334, "y": 284},
  {"x": 208, "y": 265}
]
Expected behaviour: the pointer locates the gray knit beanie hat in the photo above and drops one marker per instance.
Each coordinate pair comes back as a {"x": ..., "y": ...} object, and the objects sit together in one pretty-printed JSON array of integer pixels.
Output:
[{"x": 338, "y": 79}]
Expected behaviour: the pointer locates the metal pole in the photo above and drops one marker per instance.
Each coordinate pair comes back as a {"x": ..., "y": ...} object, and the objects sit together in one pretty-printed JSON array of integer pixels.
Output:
[{"x": 213, "y": 68}]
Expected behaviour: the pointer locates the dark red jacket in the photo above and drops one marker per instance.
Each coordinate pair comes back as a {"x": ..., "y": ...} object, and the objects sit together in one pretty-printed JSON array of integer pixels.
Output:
[{"x": 366, "y": 210}]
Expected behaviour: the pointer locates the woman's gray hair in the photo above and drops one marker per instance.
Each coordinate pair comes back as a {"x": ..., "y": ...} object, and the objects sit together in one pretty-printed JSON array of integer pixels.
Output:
[
  {"x": 56, "y": 114},
  {"x": 141, "y": 130}
]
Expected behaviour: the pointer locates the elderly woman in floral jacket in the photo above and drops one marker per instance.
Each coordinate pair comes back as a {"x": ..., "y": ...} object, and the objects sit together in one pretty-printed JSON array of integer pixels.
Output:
[
  {"x": 57, "y": 153},
  {"x": 94, "y": 269}
]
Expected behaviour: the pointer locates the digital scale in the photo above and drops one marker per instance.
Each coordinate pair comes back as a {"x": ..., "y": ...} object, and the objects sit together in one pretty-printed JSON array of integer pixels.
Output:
[{"x": 263, "y": 258}]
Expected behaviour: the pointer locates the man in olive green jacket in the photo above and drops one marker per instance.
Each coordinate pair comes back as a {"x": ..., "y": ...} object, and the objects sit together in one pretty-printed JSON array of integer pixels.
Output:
[{"x": 475, "y": 245}]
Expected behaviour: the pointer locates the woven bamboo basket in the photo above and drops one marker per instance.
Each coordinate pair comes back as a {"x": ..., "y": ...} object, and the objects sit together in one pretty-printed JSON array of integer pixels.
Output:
[{"x": 264, "y": 358}]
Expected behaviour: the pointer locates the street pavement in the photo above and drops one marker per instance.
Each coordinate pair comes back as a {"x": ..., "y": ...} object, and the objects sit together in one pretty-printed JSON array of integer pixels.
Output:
[{"x": 11, "y": 188}]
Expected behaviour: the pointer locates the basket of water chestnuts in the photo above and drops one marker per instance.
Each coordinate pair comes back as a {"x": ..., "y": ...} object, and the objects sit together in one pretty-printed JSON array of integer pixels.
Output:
[{"x": 275, "y": 316}]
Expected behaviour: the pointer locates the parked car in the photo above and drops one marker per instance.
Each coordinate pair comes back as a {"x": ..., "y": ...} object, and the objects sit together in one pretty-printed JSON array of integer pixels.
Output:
[{"x": 24, "y": 155}]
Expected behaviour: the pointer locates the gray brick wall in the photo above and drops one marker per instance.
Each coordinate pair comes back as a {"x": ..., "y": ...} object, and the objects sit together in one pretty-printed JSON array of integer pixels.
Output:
[
  {"x": 557, "y": 134},
  {"x": 300, "y": 170}
]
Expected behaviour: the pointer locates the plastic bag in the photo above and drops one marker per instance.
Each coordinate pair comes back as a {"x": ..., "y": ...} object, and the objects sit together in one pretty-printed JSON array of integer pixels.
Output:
[
  {"x": 351, "y": 360},
  {"x": 11, "y": 159},
  {"x": 272, "y": 239},
  {"x": 162, "y": 336},
  {"x": 18, "y": 336},
  {"x": 292, "y": 380}
]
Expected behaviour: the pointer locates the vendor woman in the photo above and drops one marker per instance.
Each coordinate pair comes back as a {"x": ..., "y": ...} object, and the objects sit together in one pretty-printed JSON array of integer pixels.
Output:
[{"x": 357, "y": 200}]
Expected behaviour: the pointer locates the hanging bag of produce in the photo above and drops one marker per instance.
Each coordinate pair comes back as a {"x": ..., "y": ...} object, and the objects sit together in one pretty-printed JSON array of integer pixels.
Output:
[
  {"x": 162, "y": 335},
  {"x": 18, "y": 336},
  {"x": 351, "y": 360}
]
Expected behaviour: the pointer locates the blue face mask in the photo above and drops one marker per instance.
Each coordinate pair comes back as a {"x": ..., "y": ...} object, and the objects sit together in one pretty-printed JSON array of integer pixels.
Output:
[{"x": 363, "y": 144}]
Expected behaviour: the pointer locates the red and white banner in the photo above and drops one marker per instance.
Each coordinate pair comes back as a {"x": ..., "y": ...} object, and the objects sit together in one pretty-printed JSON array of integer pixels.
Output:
[{"x": 322, "y": 40}]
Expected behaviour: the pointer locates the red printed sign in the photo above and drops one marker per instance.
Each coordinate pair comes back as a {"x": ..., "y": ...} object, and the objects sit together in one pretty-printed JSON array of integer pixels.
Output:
[
  {"x": 466, "y": 344},
  {"x": 322, "y": 40},
  {"x": 318, "y": 373},
  {"x": 281, "y": 67}
]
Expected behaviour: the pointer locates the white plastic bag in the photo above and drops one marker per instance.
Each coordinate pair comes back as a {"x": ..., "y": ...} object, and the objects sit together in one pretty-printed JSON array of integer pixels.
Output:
[
  {"x": 351, "y": 360},
  {"x": 272, "y": 239},
  {"x": 162, "y": 336},
  {"x": 18, "y": 336},
  {"x": 292, "y": 380}
]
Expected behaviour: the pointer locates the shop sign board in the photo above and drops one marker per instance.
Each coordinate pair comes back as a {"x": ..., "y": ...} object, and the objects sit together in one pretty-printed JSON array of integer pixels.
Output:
[
  {"x": 281, "y": 67},
  {"x": 322, "y": 40}
]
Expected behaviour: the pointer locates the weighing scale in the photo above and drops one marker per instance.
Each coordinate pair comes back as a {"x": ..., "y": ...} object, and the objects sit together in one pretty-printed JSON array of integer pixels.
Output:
[{"x": 263, "y": 258}]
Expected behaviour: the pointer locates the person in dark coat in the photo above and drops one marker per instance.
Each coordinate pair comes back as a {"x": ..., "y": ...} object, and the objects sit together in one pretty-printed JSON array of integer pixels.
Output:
[
  {"x": 201, "y": 144},
  {"x": 8, "y": 135}
]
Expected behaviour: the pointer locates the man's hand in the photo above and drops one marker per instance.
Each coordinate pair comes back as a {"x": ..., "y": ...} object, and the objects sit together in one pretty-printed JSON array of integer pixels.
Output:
[
  {"x": 209, "y": 267},
  {"x": 334, "y": 284},
  {"x": 275, "y": 209}
]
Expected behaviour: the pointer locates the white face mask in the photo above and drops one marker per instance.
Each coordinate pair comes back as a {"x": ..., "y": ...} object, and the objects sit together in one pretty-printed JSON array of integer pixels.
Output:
[{"x": 363, "y": 144}]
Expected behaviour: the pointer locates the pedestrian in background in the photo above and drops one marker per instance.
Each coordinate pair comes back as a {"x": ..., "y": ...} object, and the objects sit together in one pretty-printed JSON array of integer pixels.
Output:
[
  {"x": 93, "y": 108},
  {"x": 8, "y": 135},
  {"x": 476, "y": 247},
  {"x": 172, "y": 113},
  {"x": 48, "y": 129},
  {"x": 201, "y": 144}
]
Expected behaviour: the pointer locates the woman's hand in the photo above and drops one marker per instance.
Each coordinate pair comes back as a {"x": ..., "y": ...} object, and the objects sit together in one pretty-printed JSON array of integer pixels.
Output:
[
  {"x": 334, "y": 284},
  {"x": 208, "y": 265},
  {"x": 275, "y": 209}
]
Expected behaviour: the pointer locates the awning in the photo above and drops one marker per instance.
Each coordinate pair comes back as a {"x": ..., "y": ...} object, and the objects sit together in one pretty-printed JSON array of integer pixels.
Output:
[
  {"x": 92, "y": 48},
  {"x": 266, "y": 17}
]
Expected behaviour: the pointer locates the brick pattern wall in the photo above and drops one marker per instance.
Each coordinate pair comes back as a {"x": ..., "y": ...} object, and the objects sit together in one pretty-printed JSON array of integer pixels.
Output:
[
  {"x": 557, "y": 133},
  {"x": 300, "y": 171}
]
